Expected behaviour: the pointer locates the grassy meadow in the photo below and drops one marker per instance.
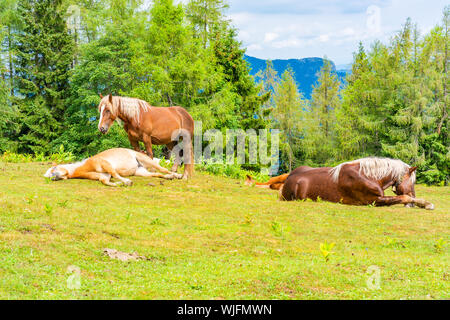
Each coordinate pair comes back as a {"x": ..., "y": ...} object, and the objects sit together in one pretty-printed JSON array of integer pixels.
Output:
[{"x": 212, "y": 238}]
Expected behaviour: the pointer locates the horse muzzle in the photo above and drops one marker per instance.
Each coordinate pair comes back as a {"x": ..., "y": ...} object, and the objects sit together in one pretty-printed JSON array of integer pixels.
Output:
[
  {"x": 55, "y": 176},
  {"x": 103, "y": 129}
]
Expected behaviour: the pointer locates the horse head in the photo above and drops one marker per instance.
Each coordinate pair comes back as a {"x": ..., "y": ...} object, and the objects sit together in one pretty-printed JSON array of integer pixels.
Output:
[
  {"x": 56, "y": 173},
  {"x": 107, "y": 114},
  {"x": 406, "y": 185}
]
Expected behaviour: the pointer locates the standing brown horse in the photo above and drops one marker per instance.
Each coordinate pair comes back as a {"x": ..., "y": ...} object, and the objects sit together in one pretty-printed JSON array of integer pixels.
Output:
[
  {"x": 359, "y": 182},
  {"x": 151, "y": 125}
]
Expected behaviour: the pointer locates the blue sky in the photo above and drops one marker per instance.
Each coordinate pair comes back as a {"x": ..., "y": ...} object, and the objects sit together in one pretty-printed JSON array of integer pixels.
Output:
[{"x": 282, "y": 29}]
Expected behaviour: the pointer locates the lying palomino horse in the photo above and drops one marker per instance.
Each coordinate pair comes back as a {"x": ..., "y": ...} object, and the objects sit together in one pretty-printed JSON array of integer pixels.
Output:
[
  {"x": 359, "y": 182},
  {"x": 151, "y": 125},
  {"x": 116, "y": 163}
]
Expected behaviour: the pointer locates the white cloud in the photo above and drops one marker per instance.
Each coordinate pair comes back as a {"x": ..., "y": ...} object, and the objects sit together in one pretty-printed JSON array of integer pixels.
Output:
[
  {"x": 288, "y": 43},
  {"x": 296, "y": 29},
  {"x": 254, "y": 47},
  {"x": 270, "y": 36},
  {"x": 324, "y": 38}
]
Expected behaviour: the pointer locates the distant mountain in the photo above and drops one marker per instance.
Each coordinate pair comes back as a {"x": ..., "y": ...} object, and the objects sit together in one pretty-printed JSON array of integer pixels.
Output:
[{"x": 305, "y": 70}]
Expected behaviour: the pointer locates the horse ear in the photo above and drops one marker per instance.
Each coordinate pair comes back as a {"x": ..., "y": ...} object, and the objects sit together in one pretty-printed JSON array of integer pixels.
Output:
[
  {"x": 110, "y": 98},
  {"x": 54, "y": 164},
  {"x": 101, "y": 96},
  {"x": 412, "y": 169}
]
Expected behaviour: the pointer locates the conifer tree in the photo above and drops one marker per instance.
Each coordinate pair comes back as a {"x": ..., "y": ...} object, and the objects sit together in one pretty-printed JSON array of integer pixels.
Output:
[
  {"x": 286, "y": 114},
  {"x": 229, "y": 57},
  {"x": 319, "y": 130},
  {"x": 205, "y": 16},
  {"x": 44, "y": 52},
  {"x": 171, "y": 61}
]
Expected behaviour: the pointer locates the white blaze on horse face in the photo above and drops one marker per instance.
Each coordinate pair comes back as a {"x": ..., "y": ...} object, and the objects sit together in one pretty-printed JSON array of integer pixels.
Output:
[
  {"x": 48, "y": 174},
  {"x": 101, "y": 116}
]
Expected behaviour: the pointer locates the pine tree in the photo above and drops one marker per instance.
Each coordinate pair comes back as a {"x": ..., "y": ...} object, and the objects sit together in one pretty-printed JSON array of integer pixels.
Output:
[
  {"x": 9, "y": 23},
  {"x": 229, "y": 57},
  {"x": 269, "y": 80},
  {"x": 435, "y": 142},
  {"x": 205, "y": 16},
  {"x": 286, "y": 114},
  {"x": 44, "y": 53},
  {"x": 320, "y": 135},
  {"x": 105, "y": 66},
  {"x": 171, "y": 61}
]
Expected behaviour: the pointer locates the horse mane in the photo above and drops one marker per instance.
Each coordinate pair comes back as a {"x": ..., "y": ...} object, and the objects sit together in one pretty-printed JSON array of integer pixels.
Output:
[
  {"x": 129, "y": 108},
  {"x": 377, "y": 168}
]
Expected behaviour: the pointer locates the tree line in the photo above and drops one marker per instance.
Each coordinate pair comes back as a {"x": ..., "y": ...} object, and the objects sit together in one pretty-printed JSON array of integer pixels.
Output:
[{"x": 58, "y": 55}]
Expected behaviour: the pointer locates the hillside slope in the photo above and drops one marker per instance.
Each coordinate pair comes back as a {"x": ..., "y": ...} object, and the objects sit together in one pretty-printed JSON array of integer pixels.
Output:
[{"x": 210, "y": 238}]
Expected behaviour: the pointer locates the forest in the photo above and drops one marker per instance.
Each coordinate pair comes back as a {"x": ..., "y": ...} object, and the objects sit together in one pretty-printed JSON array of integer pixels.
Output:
[{"x": 58, "y": 55}]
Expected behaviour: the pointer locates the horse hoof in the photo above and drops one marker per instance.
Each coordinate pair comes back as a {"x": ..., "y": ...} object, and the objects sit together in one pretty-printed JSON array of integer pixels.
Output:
[
  {"x": 429, "y": 206},
  {"x": 129, "y": 183}
]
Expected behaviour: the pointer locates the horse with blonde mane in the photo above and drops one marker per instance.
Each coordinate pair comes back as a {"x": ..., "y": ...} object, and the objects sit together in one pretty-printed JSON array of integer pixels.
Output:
[
  {"x": 151, "y": 125},
  {"x": 114, "y": 163},
  {"x": 358, "y": 182}
]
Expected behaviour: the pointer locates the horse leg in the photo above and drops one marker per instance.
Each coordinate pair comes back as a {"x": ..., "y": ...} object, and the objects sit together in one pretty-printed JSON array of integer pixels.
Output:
[
  {"x": 189, "y": 163},
  {"x": 134, "y": 143},
  {"x": 176, "y": 162},
  {"x": 403, "y": 199},
  {"x": 148, "y": 145},
  {"x": 102, "y": 177},
  {"x": 147, "y": 163},
  {"x": 142, "y": 172},
  {"x": 107, "y": 167}
]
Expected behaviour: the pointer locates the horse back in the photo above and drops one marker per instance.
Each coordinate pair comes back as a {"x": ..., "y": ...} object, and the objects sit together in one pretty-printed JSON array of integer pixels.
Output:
[
  {"x": 186, "y": 119},
  {"x": 306, "y": 182}
]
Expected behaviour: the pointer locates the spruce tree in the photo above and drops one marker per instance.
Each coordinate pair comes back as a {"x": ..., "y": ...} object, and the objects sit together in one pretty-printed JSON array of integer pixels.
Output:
[
  {"x": 171, "y": 62},
  {"x": 229, "y": 57},
  {"x": 44, "y": 53},
  {"x": 320, "y": 118},
  {"x": 286, "y": 115},
  {"x": 205, "y": 16},
  {"x": 105, "y": 66}
]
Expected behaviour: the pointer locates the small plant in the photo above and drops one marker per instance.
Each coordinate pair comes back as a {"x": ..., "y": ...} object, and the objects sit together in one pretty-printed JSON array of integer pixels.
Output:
[
  {"x": 129, "y": 215},
  {"x": 158, "y": 222},
  {"x": 248, "y": 219},
  {"x": 60, "y": 156},
  {"x": 371, "y": 205},
  {"x": 325, "y": 250},
  {"x": 63, "y": 204},
  {"x": 48, "y": 209},
  {"x": 29, "y": 199},
  {"x": 395, "y": 243},
  {"x": 277, "y": 228},
  {"x": 439, "y": 245}
]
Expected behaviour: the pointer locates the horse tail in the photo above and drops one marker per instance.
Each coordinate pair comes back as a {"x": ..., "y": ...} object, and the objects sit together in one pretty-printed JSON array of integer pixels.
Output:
[
  {"x": 274, "y": 183},
  {"x": 187, "y": 124},
  {"x": 249, "y": 181}
]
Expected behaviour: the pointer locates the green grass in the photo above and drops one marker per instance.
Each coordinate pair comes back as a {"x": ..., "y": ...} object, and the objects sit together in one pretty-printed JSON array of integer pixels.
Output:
[{"x": 211, "y": 238}]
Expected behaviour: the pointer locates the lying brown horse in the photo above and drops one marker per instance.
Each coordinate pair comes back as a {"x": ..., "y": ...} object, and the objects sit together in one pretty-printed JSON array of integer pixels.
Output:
[
  {"x": 359, "y": 182},
  {"x": 151, "y": 125}
]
